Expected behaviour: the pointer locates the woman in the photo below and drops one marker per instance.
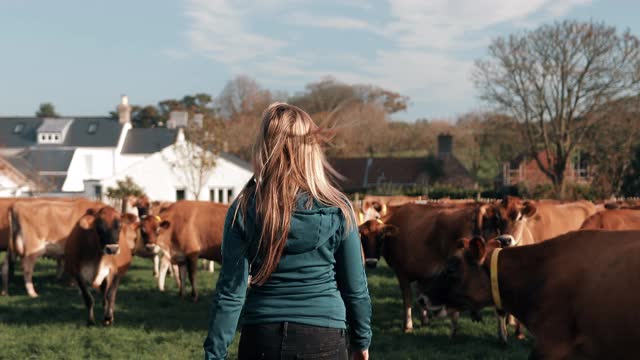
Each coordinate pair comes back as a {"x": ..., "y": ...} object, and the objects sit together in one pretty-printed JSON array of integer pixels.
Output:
[{"x": 291, "y": 254}]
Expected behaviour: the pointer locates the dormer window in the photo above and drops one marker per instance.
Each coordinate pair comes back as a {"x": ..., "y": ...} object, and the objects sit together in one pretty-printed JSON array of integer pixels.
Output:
[
  {"x": 53, "y": 131},
  {"x": 93, "y": 127},
  {"x": 18, "y": 128}
]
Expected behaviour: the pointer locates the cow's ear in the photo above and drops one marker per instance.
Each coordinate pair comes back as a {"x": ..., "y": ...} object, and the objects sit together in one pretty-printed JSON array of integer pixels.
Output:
[
  {"x": 128, "y": 218},
  {"x": 477, "y": 249},
  {"x": 91, "y": 212},
  {"x": 87, "y": 221},
  {"x": 165, "y": 224},
  {"x": 389, "y": 231},
  {"x": 529, "y": 209}
]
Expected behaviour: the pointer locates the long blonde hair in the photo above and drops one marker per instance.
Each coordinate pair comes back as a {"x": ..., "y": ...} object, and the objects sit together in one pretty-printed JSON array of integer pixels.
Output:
[{"x": 287, "y": 159}]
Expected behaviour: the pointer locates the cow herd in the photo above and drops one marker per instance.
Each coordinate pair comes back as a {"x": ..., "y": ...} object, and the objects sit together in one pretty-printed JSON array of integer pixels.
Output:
[
  {"x": 566, "y": 271},
  {"x": 94, "y": 244}
]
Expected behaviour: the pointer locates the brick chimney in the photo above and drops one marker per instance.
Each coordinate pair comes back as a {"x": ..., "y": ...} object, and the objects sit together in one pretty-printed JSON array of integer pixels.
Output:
[
  {"x": 177, "y": 119},
  {"x": 124, "y": 110},
  {"x": 445, "y": 144}
]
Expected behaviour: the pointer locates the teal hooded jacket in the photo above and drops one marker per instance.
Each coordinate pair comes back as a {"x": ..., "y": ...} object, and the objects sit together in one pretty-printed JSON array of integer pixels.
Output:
[{"x": 320, "y": 279}]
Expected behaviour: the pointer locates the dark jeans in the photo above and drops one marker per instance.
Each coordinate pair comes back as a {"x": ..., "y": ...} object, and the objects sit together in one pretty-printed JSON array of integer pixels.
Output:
[{"x": 284, "y": 341}]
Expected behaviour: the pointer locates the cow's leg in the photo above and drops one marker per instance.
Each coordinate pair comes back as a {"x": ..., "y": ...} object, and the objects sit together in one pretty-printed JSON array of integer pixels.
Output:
[
  {"x": 192, "y": 268},
  {"x": 156, "y": 266},
  {"x": 519, "y": 333},
  {"x": 405, "y": 288},
  {"x": 182, "y": 274},
  {"x": 212, "y": 264},
  {"x": 454, "y": 316},
  {"x": 5, "y": 275},
  {"x": 28, "y": 264},
  {"x": 165, "y": 265},
  {"x": 59, "y": 268},
  {"x": 88, "y": 300},
  {"x": 503, "y": 333},
  {"x": 110, "y": 301}
]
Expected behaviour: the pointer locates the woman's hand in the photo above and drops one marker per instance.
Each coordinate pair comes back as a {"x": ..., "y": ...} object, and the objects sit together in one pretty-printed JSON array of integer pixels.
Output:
[{"x": 360, "y": 355}]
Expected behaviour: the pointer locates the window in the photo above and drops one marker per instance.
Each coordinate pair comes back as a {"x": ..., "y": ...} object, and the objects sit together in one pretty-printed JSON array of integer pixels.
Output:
[
  {"x": 97, "y": 190},
  {"x": 55, "y": 137},
  {"x": 212, "y": 195},
  {"x": 180, "y": 194},
  {"x": 88, "y": 164},
  {"x": 18, "y": 129},
  {"x": 43, "y": 138},
  {"x": 93, "y": 127},
  {"x": 229, "y": 195},
  {"x": 220, "y": 196},
  {"x": 49, "y": 138}
]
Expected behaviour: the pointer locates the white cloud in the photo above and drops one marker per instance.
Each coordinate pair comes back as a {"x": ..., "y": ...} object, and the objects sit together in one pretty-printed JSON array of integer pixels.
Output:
[{"x": 416, "y": 55}]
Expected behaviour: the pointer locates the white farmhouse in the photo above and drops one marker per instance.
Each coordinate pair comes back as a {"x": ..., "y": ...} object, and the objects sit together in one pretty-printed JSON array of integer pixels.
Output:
[{"x": 76, "y": 156}]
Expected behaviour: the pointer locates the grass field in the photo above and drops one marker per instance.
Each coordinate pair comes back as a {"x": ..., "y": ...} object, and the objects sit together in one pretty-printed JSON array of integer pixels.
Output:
[{"x": 154, "y": 325}]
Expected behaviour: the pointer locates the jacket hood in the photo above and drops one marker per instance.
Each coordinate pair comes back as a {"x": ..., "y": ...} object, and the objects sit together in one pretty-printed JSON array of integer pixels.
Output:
[{"x": 311, "y": 226}]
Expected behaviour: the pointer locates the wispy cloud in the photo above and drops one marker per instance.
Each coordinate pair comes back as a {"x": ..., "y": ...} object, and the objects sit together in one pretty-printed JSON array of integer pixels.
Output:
[{"x": 417, "y": 53}]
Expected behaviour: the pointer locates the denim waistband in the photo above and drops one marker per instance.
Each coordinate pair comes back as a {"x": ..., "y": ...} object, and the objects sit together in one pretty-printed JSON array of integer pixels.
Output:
[{"x": 287, "y": 328}]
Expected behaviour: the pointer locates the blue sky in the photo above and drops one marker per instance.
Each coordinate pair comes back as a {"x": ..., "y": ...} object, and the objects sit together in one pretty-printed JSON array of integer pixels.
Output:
[{"x": 82, "y": 55}]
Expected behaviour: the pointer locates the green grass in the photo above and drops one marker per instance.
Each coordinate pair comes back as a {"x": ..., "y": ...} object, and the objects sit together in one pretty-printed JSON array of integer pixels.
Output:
[{"x": 154, "y": 325}]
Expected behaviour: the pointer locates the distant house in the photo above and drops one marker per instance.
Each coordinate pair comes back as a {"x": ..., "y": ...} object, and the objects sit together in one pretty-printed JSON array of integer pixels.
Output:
[
  {"x": 17, "y": 178},
  {"x": 524, "y": 170},
  {"x": 370, "y": 172},
  {"x": 76, "y": 156}
]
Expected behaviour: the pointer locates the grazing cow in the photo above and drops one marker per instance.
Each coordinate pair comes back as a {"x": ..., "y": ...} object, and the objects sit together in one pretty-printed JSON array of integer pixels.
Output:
[
  {"x": 416, "y": 240},
  {"x": 188, "y": 230},
  {"x": 519, "y": 222},
  {"x": 575, "y": 293},
  {"x": 98, "y": 252},
  {"x": 40, "y": 227},
  {"x": 621, "y": 219}
]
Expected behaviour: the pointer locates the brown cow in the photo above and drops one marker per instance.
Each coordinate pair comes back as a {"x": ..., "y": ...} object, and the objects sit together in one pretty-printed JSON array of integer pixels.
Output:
[
  {"x": 575, "y": 293},
  {"x": 189, "y": 230},
  {"x": 521, "y": 222},
  {"x": 98, "y": 252},
  {"x": 416, "y": 240},
  {"x": 622, "y": 219},
  {"x": 40, "y": 228},
  {"x": 5, "y": 206},
  {"x": 373, "y": 207}
]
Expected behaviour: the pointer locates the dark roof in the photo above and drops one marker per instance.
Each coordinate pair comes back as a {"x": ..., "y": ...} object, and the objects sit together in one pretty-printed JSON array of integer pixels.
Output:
[
  {"x": 53, "y": 183},
  {"x": 106, "y": 135},
  {"x": 148, "y": 140},
  {"x": 236, "y": 160},
  {"x": 21, "y": 164},
  {"x": 48, "y": 159},
  {"x": 361, "y": 173}
]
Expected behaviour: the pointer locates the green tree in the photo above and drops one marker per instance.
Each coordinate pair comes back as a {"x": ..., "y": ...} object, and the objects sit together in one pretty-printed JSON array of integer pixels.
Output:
[{"x": 47, "y": 110}]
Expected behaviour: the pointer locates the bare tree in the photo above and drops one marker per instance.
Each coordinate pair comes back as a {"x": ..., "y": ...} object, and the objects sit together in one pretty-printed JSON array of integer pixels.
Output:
[
  {"x": 243, "y": 96},
  {"x": 194, "y": 156},
  {"x": 553, "y": 79}
]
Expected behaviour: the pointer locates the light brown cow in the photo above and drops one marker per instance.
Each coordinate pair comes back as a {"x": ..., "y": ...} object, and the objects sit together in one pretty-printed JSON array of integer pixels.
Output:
[
  {"x": 416, "y": 240},
  {"x": 98, "y": 253},
  {"x": 621, "y": 219},
  {"x": 188, "y": 230},
  {"x": 576, "y": 293},
  {"x": 519, "y": 222},
  {"x": 373, "y": 207},
  {"x": 40, "y": 228}
]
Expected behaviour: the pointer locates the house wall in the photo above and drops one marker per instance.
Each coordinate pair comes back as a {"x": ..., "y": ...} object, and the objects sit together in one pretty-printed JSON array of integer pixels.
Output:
[
  {"x": 160, "y": 182},
  {"x": 9, "y": 188},
  {"x": 529, "y": 174},
  {"x": 86, "y": 164}
]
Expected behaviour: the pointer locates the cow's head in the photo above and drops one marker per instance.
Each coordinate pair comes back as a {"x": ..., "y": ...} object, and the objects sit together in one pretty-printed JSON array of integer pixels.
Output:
[
  {"x": 505, "y": 220},
  {"x": 143, "y": 205},
  {"x": 373, "y": 234},
  {"x": 150, "y": 228},
  {"x": 109, "y": 227},
  {"x": 464, "y": 282}
]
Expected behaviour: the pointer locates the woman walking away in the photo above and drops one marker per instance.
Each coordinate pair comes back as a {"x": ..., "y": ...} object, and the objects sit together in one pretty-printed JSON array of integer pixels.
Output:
[{"x": 291, "y": 254}]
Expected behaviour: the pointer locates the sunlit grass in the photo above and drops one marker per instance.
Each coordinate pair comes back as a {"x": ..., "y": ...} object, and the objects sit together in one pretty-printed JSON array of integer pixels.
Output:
[{"x": 154, "y": 325}]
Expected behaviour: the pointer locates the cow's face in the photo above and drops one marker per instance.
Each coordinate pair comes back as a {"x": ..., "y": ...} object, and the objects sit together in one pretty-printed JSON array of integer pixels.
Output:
[
  {"x": 143, "y": 205},
  {"x": 150, "y": 228},
  {"x": 506, "y": 219},
  {"x": 373, "y": 234},
  {"x": 106, "y": 223},
  {"x": 464, "y": 283}
]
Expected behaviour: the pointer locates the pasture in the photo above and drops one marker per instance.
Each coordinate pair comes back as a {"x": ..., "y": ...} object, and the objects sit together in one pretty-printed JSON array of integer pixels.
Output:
[{"x": 154, "y": 325}]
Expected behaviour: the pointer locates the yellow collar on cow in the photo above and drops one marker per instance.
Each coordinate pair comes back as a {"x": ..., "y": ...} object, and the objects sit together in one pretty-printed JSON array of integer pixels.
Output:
[
  {"x": 493, "y": 271},
  {"x": 157, "y": 218},
  {"x": 380, "y": 221},
  {"x": 360, "y": 217}
]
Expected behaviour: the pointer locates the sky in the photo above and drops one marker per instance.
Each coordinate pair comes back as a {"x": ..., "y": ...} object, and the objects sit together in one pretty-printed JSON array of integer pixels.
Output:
[{"x": 83, "y": 55}]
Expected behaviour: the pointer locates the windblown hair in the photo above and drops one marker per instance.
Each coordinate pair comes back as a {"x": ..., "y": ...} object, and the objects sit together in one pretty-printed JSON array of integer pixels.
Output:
[{"x": 288, "y": 159}]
